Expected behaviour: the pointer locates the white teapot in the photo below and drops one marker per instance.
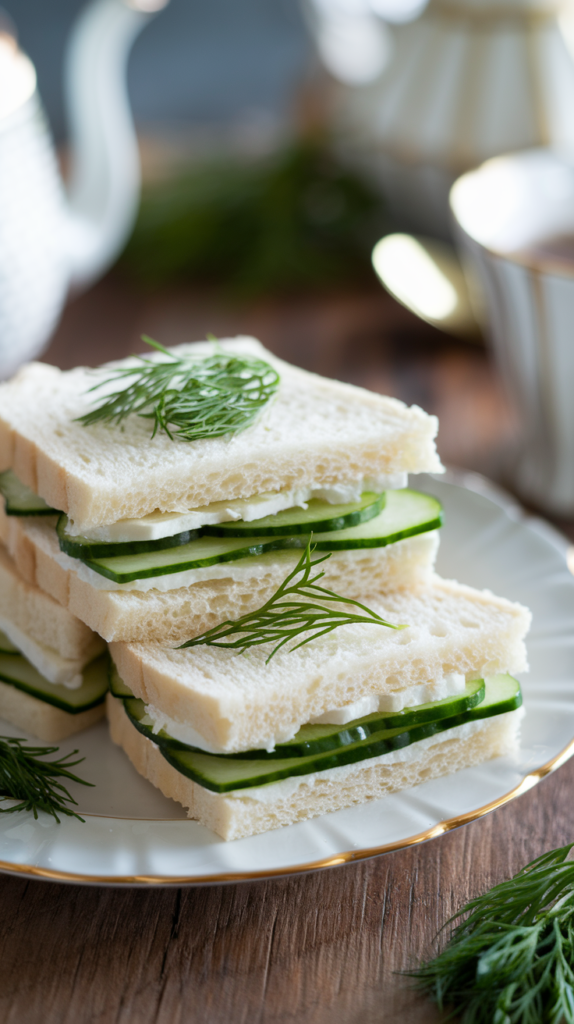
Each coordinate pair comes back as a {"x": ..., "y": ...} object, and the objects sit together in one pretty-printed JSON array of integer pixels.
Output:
[
  {"x": 467, "y": 80},
  {"x": 51, "y": 241}
]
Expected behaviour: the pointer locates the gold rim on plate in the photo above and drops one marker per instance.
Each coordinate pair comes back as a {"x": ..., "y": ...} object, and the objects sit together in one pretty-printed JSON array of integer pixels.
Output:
[{"x": 337, "y": 860}]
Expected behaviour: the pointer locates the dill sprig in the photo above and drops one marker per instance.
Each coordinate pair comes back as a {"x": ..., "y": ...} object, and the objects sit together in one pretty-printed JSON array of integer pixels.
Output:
[
  {"x": 512, "y": 960},
  {"x": 292, "y": 610},
  {"x": 32, "y": 782},
  {"x": 186, "y": 397}
]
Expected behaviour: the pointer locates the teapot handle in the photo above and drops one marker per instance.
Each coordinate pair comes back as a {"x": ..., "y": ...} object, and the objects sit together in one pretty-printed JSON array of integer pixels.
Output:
[{"x": 104, "y": 184}]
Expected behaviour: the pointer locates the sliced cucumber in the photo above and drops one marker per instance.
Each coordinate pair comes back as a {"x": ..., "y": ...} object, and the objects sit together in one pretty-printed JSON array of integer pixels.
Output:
[
  {"x": 503, "y": 694},
  {"x": 116, "y": 684},
  {"x": 18, "y": 672},
  {"x": 224, "y": 774},
  {"x": 6, "y": 645},
  {"x": 84, "y": 548},
  {"x": 20, "y": 500},
  {"x": 319, "y": 516},
  {"x": 314, "y": 739},
  {"x": 317, "y": 739},
  {"x": 195, "y": 555},
  {"x": 407, "y": 513}
]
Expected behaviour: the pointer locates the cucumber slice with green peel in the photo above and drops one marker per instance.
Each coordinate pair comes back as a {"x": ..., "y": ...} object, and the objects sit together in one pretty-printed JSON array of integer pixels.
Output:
[
  {"x": 84, "y": 548},
  {"x": 319, "y": 516},
  {"x": 6, "y": 645},
  {"x": 20, "y": 500},
  {"x": 503, "y": 694},
  {"x": 18, "y": 672},
  {"x": 295, "y": 520},
  {"x": 116, "y": 684},
  {"x": 225, "y": 774},
  {"x": 314, "y": 739},
  {"x": 317, "y": 739},
  {"x": 406, "y": 513},
  {"x": 197, "y": 554}
]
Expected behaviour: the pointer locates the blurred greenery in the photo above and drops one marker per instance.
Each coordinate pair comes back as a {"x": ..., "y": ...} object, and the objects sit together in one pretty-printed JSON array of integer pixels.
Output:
[{"x": 294, "y": 221}]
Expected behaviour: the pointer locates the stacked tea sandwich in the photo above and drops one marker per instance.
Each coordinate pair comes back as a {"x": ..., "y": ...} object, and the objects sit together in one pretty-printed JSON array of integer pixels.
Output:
[
  {"x": 53, "y": 679},
  {"x": 241, "y": 532}
]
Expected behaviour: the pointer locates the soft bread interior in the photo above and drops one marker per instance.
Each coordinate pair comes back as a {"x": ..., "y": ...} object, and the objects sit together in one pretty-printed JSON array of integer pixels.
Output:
[
  {"x": 314, "y": 432},
  {"x": 56, "y": 642},
  {"x": 38, "y": 718},
  {"x": 238, "y": 816},
  {"x": 241, "y": 703},
  {"x": 176, "y": 615}
]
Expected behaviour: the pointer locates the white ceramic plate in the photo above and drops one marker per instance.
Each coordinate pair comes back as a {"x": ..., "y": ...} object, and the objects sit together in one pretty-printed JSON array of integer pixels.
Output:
[{"x": 134, "y": 836}]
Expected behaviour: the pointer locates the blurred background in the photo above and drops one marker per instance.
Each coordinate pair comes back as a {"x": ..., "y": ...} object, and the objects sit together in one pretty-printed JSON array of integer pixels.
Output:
[
  {"x": 222, "y": 66},
  {"x": 279, "y": 143}
]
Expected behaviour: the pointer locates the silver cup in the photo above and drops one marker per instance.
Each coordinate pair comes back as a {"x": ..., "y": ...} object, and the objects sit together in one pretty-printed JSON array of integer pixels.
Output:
[{"x": 514, "y": 220}]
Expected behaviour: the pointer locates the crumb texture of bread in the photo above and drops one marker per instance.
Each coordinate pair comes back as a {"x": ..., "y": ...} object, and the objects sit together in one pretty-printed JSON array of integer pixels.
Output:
[
  {"x": 176, "y": 615},
  {"x": 38, "y": 718},
  {"x": 314, "y": 431},
  {"x": 240, "y": 703},
  {"x": 41, "y": 618},
  {"x": 240, "y": 816}
]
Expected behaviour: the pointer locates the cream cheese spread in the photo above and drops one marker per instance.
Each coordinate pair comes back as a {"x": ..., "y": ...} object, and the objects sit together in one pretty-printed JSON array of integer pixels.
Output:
[
  {"x": 47, "y": 661},
  {"x": 451, "y": 684},
  {"x": 448, "y": 686},
  {"x": 285, "y": 788},
  {"x": 157, "y": 525},
  {"x": 242, "y": 569}
]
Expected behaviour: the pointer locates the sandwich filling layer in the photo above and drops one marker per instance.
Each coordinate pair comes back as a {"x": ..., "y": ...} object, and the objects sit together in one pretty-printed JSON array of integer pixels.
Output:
[
  {"x": 235, "y": 815},
  {"x": 157, "y": 524},
  {"x": 243, "y": 570},
  {"x": 410, "y": 697},
  {"x": 273, "y": 791}
]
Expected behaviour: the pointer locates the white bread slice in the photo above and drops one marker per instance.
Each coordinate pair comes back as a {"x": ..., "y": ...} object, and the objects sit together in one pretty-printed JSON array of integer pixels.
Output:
[
  {"x": 57, "y": 643},
  {"x": 38, "y": 718},
  {"x": 239, "y": 815},
  {"x": 314, "y": 432},
  {"x": 239, "y": 703},
  {"x": 176, "y": 615}
]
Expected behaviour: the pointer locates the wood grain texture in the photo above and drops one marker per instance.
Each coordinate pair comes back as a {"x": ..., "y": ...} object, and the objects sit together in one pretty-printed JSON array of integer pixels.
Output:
[
  {"x": 313, "y": 949},
  {"x": 318, "y": 949}
]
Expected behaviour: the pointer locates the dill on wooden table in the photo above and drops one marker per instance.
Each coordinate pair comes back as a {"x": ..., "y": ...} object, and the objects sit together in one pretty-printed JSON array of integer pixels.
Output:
[
  {"x": 298, "y": 606},
  {"x": 188, "y": 397},
  {"x": 511, "y": 960},
  {"x": 32, "y": 782}
]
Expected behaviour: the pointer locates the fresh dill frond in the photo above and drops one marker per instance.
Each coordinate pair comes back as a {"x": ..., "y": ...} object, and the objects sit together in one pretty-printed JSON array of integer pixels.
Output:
[
  {"x": 188, "y": 397},
  {"x": 511, "y": 961},
  {"x": 32, "y": 782},
  {"x": 298, "y": 606}
]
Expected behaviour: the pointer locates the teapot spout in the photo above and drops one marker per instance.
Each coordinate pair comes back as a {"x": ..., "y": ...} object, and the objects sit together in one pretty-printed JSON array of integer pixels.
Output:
[{"x": 104, "y": 183}]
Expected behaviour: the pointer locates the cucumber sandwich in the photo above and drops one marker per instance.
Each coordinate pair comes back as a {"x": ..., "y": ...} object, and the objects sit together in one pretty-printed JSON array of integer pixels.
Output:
[
  {"x": 251, "y": 743},
  {"x": 124, "y": 524},
  {"x": 242, "y": 534},
  {"x": 53, "y": 678}
]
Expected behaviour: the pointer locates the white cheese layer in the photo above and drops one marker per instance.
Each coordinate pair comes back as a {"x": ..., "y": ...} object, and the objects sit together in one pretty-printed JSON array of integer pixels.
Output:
[
  {"x": 449, "y": 686},
  {"x": 452, "y": 684},
  {"x": 273, "y": 791},
  {"x": 166, "y": 524},
  {"x": 242, "y": 569},
  {"x": 47, "y": 661}
]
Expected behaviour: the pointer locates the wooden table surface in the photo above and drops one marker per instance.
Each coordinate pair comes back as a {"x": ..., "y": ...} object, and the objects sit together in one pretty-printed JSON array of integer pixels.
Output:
[{"x": 323, "y": 948}]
